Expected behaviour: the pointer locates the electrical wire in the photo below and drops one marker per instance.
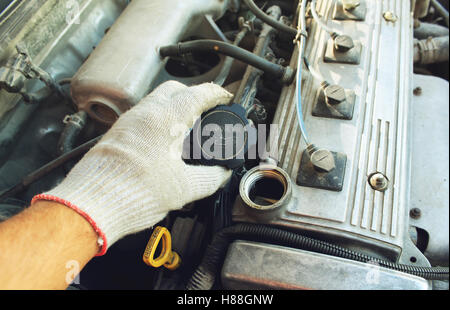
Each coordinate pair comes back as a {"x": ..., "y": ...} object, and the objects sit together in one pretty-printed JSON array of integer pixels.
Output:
[
  {"x": 315, "y": 73},
  {"x": 300, "y": 40},
  {"x": 319, "y": 21}
]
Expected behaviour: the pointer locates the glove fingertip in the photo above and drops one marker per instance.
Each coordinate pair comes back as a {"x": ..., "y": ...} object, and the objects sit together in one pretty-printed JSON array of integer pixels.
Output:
[
  {"x": 211, "y": 95},
  {"x": 167, "y": 89},
  {"x": 208, "y": 180}
]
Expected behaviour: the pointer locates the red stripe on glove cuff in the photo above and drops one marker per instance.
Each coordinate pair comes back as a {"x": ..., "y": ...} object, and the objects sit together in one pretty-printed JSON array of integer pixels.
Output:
[{"x": 80, "y": 212}]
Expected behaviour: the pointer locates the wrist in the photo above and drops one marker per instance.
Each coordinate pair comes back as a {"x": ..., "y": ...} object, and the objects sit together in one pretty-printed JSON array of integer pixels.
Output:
[
  {"x": 111, "y": 195},
  {"x": 76, "y": 217}
]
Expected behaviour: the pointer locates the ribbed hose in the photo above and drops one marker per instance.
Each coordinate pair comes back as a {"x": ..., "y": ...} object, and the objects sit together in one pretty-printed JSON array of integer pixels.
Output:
[{"x": 204, "y": 277}]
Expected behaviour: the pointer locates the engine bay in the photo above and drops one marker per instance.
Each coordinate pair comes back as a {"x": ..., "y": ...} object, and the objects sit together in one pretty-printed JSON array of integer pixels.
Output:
[{"x": 352, "y": 96}]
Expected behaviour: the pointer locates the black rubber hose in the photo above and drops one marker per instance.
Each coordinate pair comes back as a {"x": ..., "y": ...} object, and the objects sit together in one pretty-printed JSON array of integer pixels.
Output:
[
  {"x": 204, "y": 276},
  {"x": 36, "y": 175},
  {"x": 228, "y": 63},
  {"x": 37, "y": 97},
  {"x": 68, "y": 138},
  {"x": 72, "y": 130},
  {"x": 269, "y": 20},
  {"x": 231, "y": 50}
]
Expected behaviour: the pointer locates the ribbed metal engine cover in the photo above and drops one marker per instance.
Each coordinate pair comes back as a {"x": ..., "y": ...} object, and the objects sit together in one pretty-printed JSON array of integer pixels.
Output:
[{"x": 376, "y": 139}]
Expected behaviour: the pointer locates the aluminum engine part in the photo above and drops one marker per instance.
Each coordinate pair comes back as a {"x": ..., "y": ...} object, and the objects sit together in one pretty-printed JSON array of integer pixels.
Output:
[
  {"x": 251, "y": 265},
  {"x": 429, "y": 193},
  {"x": 376, "y": 139},
  {"x": 421, "y": 8},
  {"x": 122, "y": 68},
  {"x": 59, "y": 36}
]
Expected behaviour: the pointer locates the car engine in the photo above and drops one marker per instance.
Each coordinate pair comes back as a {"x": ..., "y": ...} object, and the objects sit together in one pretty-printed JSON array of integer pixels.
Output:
[{"x": 353, "y": 190}]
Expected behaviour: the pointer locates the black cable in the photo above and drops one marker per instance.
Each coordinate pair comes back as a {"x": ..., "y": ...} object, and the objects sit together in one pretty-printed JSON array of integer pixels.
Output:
[
  {"x": 204, "y": 276},
  {"x": 269, "y": 20},
  {"x": 231, "y": 50},
  {"x": 36, "y": 175},
  {"x": 225, "y": 200}
]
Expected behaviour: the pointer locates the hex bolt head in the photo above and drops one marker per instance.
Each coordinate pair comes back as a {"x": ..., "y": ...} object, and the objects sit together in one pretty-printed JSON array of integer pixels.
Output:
[
  {"x": 350, "y": 5},
  {"x": 378, "y": 181},
  {"x": 417, "y": 91},
  {"x": 415, "y": 213},
  {"x": 322, "y": 159},
  {"x": 389, "y": 16},
  {"x": 334, "y": 94},
  {"x": 343, "y": 43}
]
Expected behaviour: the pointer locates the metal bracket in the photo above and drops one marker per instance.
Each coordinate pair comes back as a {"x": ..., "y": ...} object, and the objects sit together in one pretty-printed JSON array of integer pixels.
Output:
[
  {"x": 19, "y": 69},
  {"x": 343, "y": 110},
  {"x": 352, "y": 56},
  {"x": 334, "y": 180},
  {"x": 358, "y": 13}
]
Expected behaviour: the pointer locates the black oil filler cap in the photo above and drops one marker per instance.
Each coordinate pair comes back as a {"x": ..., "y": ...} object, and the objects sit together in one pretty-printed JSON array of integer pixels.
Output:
[{"x": 221, "y": 137}]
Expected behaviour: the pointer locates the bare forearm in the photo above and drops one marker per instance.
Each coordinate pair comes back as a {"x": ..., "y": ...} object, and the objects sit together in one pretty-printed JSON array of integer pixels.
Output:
[
  {"x": 123, "y": 185},
  {"x": 40, "y": 245}
]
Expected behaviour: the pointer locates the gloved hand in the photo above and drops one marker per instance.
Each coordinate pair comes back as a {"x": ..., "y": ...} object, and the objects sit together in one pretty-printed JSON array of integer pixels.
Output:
[{"x": 135, "y": 175}]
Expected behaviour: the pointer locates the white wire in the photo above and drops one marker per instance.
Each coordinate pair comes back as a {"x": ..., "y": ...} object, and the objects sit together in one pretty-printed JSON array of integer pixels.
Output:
[
  {"x": 315, "y": 73},
  {"x": 318, "y": 20},
  {"x": 301, "y": 49}
]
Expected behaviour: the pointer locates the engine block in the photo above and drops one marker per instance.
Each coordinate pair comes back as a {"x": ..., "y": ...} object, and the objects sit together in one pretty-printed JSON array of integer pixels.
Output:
[{"x": 375, "y": 139}]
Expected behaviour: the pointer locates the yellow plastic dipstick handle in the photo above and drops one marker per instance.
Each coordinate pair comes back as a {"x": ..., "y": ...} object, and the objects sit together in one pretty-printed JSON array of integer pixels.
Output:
[{"x": 167, "y": 258}]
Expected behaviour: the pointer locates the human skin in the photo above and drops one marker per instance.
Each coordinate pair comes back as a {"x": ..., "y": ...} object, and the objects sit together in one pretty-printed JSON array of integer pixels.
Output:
[{"x": 44, "y": 247}]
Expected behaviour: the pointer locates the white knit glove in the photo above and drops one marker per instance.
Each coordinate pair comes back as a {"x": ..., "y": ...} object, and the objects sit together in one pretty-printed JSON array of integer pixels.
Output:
[{"x": 135, "y": 175}]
